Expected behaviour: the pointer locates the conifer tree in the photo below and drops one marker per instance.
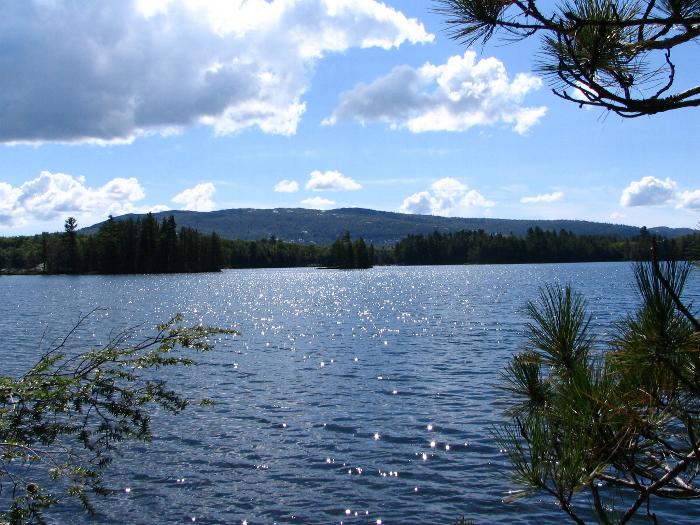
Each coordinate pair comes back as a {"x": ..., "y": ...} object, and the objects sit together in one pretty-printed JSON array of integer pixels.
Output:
[
  {"x": 167, "y": 245},
  {"x": 70, "y": 243},
  {"x": 620, "y": 424},
  {"x": 148, "y": 244},
  {"x": 360, "y": 254},
  {"x": 614, "y": 54}
]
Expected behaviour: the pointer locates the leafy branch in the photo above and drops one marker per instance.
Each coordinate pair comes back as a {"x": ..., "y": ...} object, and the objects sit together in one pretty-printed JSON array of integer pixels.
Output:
[{"x": 62, "y": 420}]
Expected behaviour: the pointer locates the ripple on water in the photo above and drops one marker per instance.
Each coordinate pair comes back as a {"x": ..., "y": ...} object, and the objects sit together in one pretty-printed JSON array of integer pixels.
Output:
[{"x": 395, "y": 426}]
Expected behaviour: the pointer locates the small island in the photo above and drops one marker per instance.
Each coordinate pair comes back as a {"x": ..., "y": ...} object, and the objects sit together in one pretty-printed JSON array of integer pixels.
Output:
[{"x": 349, "y": 255}]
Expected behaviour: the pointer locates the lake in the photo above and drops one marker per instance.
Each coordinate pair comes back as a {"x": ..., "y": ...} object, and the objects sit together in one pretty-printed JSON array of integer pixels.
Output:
[{"x": 351, "y": 396}]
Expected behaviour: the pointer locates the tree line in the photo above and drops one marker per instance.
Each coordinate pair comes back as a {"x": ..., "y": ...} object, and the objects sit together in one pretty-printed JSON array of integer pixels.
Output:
[
  {"x": 124, "y": 246},
  {"x": 272, "y": 252},
  {"x": 146, "y": 246},
  {"x": 538, "y": 246}
]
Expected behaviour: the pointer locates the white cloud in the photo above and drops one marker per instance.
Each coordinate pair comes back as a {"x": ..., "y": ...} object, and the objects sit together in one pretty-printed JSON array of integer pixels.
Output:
[
  {"x": 287, "y": 186},
  {"x": 331, "y": 181},
  {"x": 318, "y": 202},
  {"x": 107, "y": 72},
  {"x": 579, "y": 93},
  {"x": 53, "y": 195},
  {"x": 420, "y": 203},
  {"x": 198, "y": 198},
  {"x": 545, "y": 197},
  {"x": 447, "y": 197},
  {"x": 689, "y": 200},
  {"x": 10, "y": 211},
  {"x": 454, "y": 96},
  {"x": 616, "y": 215},
  {"x": 156, "y": 208},
  {"x": 649, "y": 191}
]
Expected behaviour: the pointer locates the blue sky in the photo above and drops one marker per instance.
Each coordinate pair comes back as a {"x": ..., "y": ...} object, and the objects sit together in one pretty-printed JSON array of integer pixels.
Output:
[{"x": 115, "y": 107}]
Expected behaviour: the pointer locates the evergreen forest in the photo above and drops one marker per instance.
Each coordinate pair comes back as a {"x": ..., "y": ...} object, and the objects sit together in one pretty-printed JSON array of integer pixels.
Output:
[
  {"x": 144, "y": 245},
  {"x": 129, "y": 246}
]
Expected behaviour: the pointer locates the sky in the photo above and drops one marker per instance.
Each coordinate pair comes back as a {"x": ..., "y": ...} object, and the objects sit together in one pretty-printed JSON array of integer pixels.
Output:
[{"x": 147, "y": 105}]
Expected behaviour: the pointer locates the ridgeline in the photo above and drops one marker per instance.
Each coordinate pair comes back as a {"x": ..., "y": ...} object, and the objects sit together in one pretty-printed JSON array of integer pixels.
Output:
[{"x": 378, "y": 227}]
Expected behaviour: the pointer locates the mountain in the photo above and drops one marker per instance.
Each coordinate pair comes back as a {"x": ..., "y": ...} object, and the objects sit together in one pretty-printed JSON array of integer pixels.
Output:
[{"x": 379, "y": 227}]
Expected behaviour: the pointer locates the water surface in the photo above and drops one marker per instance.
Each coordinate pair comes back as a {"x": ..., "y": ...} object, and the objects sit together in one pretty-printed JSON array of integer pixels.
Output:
[{"x": 351, "y": 396}]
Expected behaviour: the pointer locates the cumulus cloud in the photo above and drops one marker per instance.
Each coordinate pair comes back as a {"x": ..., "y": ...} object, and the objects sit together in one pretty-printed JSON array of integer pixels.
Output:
[
  {"x": 331, "y": 181},
  {"x": 287, "y": 186},
  {"x": 109, "y": 71},
  {"x": 53, "y": 195},
  {"x": 10, "y": 211},
  {"x": 318, "y": 203},
  {"x": 545, "y": 197},
  {"x": 616, "y": 215},
  {"x": 454, "y": 96},
  {"x": 198, "y": 198},
  {"x": 649, "y": 191},
  {"x": 687, "y": 199},
  {"x": 447, "y": 197}
]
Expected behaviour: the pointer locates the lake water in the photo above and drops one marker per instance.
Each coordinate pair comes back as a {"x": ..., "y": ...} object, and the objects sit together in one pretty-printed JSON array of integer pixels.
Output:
[{"x": 372, "y": 392}]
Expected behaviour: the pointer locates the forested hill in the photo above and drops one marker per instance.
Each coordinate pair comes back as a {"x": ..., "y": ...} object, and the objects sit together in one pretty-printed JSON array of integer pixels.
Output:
[{"x": 379, "y": 227}]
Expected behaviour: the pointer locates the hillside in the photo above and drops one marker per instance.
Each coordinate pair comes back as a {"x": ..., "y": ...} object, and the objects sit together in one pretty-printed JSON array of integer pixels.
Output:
[{"x": 379, "y": 227}]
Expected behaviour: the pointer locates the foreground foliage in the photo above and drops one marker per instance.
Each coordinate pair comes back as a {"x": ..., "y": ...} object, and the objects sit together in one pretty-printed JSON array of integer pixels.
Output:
[
  {"x": 61, "y": 421},
  {"x": 621, "y": 425},
  {"x": 613, "y": 54}
]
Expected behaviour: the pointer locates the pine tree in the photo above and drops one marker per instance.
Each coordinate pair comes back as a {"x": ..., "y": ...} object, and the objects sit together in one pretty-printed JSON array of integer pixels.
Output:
[
  {"x": 612, "y": 54},
  {"x": 108, "y": 253},
  {"x": 70, "y": 243},
  {"x": 148, "y": 245},
  {"x": 167, "y": 245},
  {"x": 626, "y": 418},
  {"x": 361, "y": 257}
]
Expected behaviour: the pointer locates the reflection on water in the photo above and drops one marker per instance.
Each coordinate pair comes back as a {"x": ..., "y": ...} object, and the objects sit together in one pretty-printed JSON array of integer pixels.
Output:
[{"x": 353, "y": 397}]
